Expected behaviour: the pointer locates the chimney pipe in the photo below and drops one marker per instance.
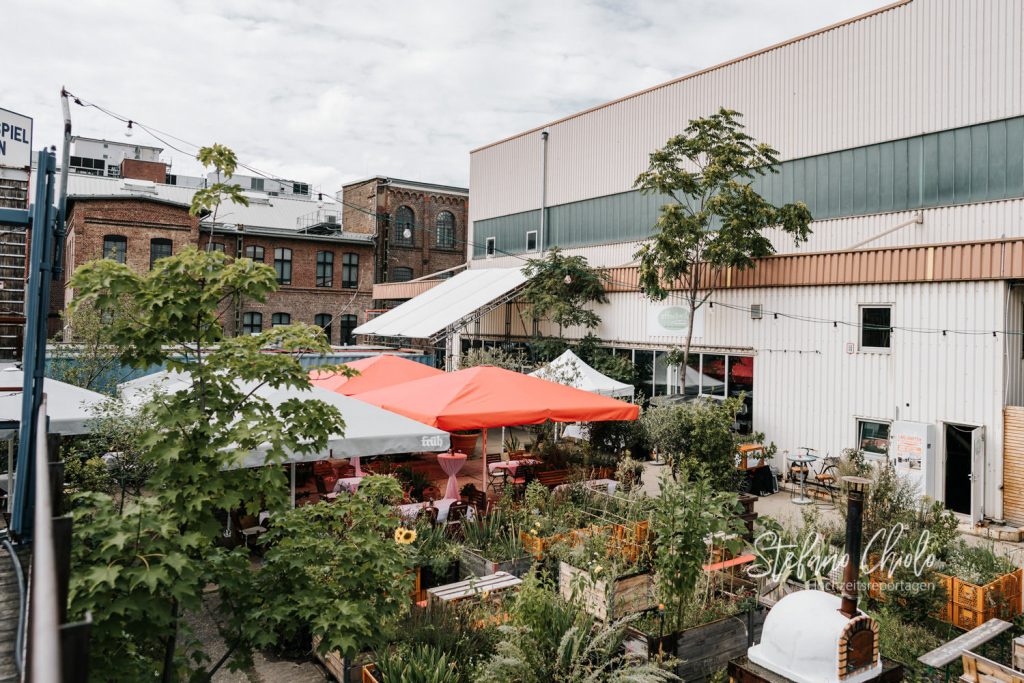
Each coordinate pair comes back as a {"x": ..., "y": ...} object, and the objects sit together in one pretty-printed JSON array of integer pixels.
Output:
[{"x": 856, "y": 488}]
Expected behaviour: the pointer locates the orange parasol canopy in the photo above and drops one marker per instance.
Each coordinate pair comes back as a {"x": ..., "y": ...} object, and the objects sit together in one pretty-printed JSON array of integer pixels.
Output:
[
  {"x": 375, "y": 372},
  {"x": 487, "y": 396}
]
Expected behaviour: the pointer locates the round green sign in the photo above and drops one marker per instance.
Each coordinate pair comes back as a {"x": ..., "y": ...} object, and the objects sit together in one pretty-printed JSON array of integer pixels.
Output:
[{"x": 674, "y": 318}]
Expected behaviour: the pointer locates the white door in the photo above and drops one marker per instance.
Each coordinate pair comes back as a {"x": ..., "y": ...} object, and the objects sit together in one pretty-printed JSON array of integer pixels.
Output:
[{"x": 977, "y": 474}]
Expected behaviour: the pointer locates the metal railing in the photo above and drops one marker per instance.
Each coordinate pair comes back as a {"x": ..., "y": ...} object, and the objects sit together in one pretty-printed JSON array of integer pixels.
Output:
[{"x": 44, "y": 646}]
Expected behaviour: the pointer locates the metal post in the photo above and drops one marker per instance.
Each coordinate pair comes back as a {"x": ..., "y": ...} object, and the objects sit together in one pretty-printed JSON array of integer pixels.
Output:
[{"x": 43, "y": 216}]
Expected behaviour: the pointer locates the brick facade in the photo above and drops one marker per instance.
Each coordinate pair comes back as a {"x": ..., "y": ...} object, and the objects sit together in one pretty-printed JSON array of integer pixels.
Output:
[
  {"x": 421, "y": 254},
  {"x": 153, "y": 171}
]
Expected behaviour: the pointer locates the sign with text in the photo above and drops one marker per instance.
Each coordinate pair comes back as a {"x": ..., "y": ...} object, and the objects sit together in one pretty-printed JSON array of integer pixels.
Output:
[
  {"x": 911, "y": 451},
  {"x": 674, "y": 321},
  {"x": 15, "y": 140}
]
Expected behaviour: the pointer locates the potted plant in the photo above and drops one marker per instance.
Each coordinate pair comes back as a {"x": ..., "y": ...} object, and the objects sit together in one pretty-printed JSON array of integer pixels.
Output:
[{"x": 465, "y": 441}]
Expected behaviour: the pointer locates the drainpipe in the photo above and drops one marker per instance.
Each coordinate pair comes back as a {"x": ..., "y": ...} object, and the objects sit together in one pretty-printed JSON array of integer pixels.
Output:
[
  {"x": 239, "y": 253},
  {"x": 543, "y": 191}
]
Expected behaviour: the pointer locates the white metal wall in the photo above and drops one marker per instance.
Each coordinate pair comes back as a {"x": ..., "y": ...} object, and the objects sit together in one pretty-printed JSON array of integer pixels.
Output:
[
  {"x": 809, "y": 391},
  {"x": 925, "y": 66}
]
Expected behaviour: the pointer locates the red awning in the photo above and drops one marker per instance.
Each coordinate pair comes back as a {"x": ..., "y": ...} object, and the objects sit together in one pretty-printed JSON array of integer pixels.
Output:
[
  {"x": 375, "y": 372},
  {"x": 486, "y": 396}
]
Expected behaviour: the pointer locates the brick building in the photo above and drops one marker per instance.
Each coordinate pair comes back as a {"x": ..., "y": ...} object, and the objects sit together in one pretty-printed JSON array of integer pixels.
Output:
[
  {"x": 420, "y": 227},
  {"x": 325, "y": 273}
]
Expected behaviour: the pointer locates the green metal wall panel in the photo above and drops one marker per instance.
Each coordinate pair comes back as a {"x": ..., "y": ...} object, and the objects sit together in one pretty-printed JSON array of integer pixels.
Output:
[{"x": 970, "y": 164}]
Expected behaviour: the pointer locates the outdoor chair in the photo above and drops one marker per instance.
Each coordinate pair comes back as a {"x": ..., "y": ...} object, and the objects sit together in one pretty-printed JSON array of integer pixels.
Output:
[
  {"x": 524, "y": 475},
  {"x": 477, "y": 499},
  {"x": 458, "y": 513},
  {"x": 495, "y": 476}
]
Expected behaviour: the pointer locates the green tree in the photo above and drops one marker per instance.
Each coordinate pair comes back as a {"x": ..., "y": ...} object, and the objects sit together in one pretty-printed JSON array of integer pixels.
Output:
[
  {"x": 337, "y": 571},
  {"x": 206, "y": 201},
  {"x": 714, "y": 219},
  {"x": 154, "y": 559},
  {"x": 686, "y": 513},
  {"x": 696, "y": 435},
  {"x": 495, "y": 355},
  {"x": 560, "y": 287},
  {"x": 88, "y": 358}
]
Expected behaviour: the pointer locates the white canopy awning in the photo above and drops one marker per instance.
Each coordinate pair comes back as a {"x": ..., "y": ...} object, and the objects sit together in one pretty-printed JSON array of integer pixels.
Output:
[
  {"x": 68, "y": 407},
  {"x": 569, "y": 369},
  {"x": 369, "y": 430},
  {"x": 446, "y": 304}
]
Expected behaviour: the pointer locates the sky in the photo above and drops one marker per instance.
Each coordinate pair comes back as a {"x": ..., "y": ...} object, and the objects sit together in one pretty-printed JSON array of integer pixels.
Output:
[{"x": 328, "y": 92}]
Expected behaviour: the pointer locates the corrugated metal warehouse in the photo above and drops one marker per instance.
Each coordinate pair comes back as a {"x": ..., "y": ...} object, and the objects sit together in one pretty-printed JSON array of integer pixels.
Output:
[{"x": 903, "y": 132}]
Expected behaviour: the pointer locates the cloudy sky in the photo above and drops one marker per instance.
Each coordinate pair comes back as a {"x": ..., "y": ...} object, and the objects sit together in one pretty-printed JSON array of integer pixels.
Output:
[{"x": 332, "y": 91}]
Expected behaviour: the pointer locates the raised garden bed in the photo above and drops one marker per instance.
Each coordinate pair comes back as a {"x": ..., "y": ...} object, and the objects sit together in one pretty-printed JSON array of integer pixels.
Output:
[
  {"x": 473, "y": 564},
  {"x": 627, "y": 539},
  {"x": 703, "y": 650},
  {"x": 625, "y": 594},
  {"x": 968, "y": 605}
]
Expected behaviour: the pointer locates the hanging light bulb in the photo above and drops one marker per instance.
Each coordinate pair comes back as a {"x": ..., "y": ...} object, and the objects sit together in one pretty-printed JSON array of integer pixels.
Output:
[
  {"x": 407, "y": 233},
  {"x": 568, "y": 279},
  {"x": 129, "y": 131}
]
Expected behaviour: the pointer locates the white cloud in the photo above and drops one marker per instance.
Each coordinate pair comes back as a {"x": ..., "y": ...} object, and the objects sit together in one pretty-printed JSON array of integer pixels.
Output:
[{"x": 331, "y": 91}]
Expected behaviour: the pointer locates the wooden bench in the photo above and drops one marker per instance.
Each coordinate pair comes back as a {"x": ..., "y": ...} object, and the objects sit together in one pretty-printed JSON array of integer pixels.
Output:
[
  {"x": 553, "y": 478},
  {"x": 471, "y": 588},
  {"x": 947, "y": 653}
]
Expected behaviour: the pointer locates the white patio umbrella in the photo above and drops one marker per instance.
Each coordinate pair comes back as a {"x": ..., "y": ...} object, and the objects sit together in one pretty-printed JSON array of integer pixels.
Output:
[
  {"x": 68, "y": 407},
  {"x": 569, "y": 369},
  {"x": 369, "y": 430}
]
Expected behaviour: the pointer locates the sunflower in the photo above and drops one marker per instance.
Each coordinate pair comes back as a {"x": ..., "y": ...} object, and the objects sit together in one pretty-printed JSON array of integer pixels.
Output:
[{"x": 405, "y": 536}]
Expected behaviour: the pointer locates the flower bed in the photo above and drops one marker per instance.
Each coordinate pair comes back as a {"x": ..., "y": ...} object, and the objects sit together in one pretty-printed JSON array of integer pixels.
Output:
[
  {"x": 627, "y": 539},
  {"x": 604, "y": 598}
]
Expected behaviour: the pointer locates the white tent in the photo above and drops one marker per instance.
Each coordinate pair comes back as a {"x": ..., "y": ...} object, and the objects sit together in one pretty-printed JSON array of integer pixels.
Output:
[
  {"x": 369, "y": 430},
  {"x": 570, "y": 370},
  {"x": 68, "y": 407}
]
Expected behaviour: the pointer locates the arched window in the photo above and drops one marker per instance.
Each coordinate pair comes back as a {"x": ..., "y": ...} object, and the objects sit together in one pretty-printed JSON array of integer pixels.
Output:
[
  {"x": 446, "y": 230},
  {"x": 252, "y": 323},
  {"x": 280, "y": 319},
  {"x": 323, "y": 320},
  {"x": 158, "y": 248},
  {"x": 405, "y": 222},
  {"x": 115, "y": 247},
  {"x": 347, "y": 324},
  {"x": 401, "y": 274},
  {"x": 254, "y": 252},
  {"x": 349, "y": 270}
]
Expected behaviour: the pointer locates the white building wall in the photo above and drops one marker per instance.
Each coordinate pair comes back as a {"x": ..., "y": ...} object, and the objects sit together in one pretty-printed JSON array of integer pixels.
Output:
[
  {"x": 923, "y": 66},
  {"x": 809, "y": 391}
]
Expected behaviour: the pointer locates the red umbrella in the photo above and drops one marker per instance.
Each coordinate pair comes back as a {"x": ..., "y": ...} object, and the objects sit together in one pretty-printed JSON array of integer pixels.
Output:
[
  {"x": 485, "y": 396},
  {"x": 375, "y": 372}
]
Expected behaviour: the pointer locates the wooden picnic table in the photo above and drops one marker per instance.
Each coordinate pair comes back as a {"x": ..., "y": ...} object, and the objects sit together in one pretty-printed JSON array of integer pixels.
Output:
[{"x": 461, "y": 590}]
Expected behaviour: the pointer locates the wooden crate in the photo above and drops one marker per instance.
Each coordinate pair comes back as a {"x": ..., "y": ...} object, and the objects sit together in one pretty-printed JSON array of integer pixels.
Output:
[
  {"x": 967, "y": 605},
  {"x": 626, "y": 594},
  {"x": 473, "y": 564},
  {"x": 977, "y": 669},
  {"x": 1018, "y": 653}
]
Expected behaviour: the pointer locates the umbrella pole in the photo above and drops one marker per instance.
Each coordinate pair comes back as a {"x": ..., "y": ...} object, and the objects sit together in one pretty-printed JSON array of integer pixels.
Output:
[
  {"x": 483, "y": 457},
  {"x": 293, "y": 486}
]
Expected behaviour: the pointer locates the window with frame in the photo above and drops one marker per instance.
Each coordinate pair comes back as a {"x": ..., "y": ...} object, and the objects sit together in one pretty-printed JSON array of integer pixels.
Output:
[
  {"x": 446, "y": 230},
  {"x": 875, "y": 328},
  {"x": 280, "y": 319},
  {"x": 215, "y": 246},
  {"x": 325, "y": 269},
  {"x": 283, "y": 265},
  {"x": 489, "y": 248},
  {"x": 159, "y": 248},
  {"x": 255, "y": 253},
  {"x": 115, "y": 247},
  {"x": 405, "y": 221},
  {"x": 401, "y": 274},
  {"x": 252, "y": 323},
  {"x": 531, "y": 240},
  {"x": 323, "y": 321},
  {"x": 873, "y": 436},
  {"x": 347, "y": 323},
  {"x": 349, "y": 270}
]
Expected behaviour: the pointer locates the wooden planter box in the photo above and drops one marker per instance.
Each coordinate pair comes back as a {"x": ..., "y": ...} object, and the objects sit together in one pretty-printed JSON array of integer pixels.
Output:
[
  {"x": 473, "y": 564},
  {"x": 355, "y": 672},
  {"x": 702, "y": 651},
  {"x": 627, "y": 539},
  {"x": 626, "y": 594},
  {"x": 968, "y": 605}
]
